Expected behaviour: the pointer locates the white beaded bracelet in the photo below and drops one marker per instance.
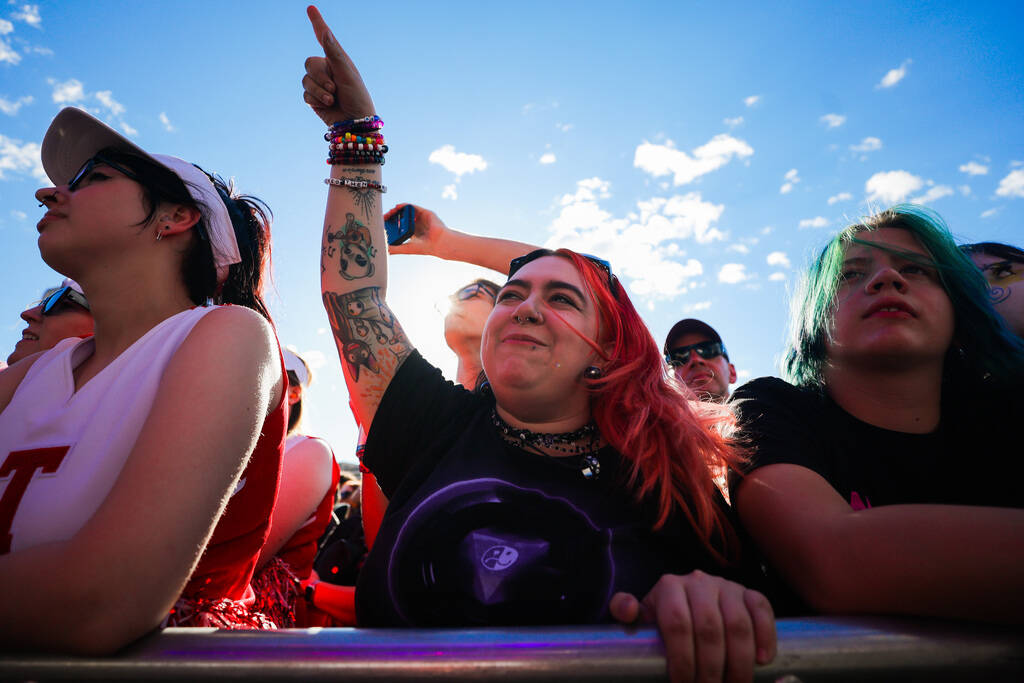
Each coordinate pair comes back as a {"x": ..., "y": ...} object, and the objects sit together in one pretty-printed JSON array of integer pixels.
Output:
[{"x": 357, "y": 184}]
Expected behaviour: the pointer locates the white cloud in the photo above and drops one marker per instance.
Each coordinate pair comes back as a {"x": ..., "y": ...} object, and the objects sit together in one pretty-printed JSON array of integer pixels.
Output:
[
  {"x": 816, "y": 222},
  {"x": 21, "y": 158},
  {"x": 5, "y": 27},
  {"x": 841, "y": 197},
  {"x": 547, "y": 158},
  {"x": 965, "y": 190},
  {"x": 733, "y": 273},
  {"x": 564, "y": 127},
  {"x": 128, "y": 130},
  {"x": 20, "y": 215},
  {"x": 892, "y": 187},
  {"x": 645, "y": 243},
  {"x": 733, "y": 122},
  {"x": 743, "y": 374},
  {"x": 29, "y": 14},
  {"x": 112, "y": 105},
  {"x": 868, "y": 144},
  {"x": 699, "y": 306},
  {"x": 166, "y": 122},
  {"x": 1015, "y": 163},
  {"x": 7, "y": 53},
  {"x": 988, "y": 213},
  {"x": 588, "y": 190},
  {"x": 778, "y": 258},
  {"x": 792, "y": 178},
  {"x": 11, "y": 108},
  {"x": 974, "y": 168},
  {"x": 752, "y": 100},
  {"x": 659, "y": 160},
  {"x": 458, "y": 163},
  {"x": 767, "y": 230},
  {"x": 833, "y": 120},
  {"x": 68, "y": 92},
  {"x": 894, "y": 76},
  {"x": 933, "y": 193},
  {"x": 777, "y": 276},
  {"x": 1012, "y": 185},
  {"x": 741, "y": 248},
  {"x": 449, "y": 192}
]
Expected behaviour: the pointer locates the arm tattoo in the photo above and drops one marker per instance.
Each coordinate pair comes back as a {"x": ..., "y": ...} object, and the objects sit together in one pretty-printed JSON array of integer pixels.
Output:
[
  {"x": 368, "y": 335},
  {"x": 352, "y": 244},
  {"x": 363, "y": 197}
]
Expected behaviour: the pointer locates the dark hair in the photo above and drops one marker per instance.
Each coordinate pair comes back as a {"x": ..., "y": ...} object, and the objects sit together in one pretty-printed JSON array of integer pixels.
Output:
[
  {"x": 985, "y": 348},
  {"x": 295, "y": 410},
  {"x": 250, "y": 218},
  {"x": 997, "y": 249}
]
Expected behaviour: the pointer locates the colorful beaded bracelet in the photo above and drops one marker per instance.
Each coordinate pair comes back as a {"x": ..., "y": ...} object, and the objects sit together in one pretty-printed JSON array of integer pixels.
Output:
[
  {"x": 367, "y": 124},
  {"x": 349, "y": 137},
  {"x": 357, "y": 184}
]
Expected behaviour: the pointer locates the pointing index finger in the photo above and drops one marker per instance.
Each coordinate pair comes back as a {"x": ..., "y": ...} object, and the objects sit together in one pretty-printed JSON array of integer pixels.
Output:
[{"x": 323, "y": 34}]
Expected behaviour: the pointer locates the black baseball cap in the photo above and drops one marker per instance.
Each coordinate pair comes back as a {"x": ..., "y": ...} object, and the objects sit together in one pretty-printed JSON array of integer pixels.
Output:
[{"x": 689, "y": 325}]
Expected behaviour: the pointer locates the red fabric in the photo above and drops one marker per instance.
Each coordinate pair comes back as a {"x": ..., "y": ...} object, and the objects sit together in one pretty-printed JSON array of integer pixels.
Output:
[
  {"x": 226, "y": 568},
  {"x": 299, "y": 550}
]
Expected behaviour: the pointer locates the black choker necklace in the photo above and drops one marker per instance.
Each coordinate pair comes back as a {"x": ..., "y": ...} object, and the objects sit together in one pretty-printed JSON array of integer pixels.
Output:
[{"x": 583, "y": 444}]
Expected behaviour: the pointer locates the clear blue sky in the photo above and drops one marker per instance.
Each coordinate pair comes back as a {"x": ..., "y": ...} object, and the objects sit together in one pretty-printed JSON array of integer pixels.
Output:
[{"x": 706, "y": 149}]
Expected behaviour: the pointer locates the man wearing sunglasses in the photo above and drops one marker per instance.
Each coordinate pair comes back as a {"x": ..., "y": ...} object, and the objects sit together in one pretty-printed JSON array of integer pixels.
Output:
[
  {"x": 464, "y": 326},
  {"x": 697, "y": 356},
  {"x": 62, "y": 312}
]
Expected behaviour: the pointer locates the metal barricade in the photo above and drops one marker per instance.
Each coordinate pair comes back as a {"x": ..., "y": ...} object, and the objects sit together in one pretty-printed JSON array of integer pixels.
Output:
[{"x": 811, "y": 649}]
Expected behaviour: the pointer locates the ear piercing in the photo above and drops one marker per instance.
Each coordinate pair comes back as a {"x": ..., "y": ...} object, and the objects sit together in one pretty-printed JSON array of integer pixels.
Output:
[{"x": 593, "y": 372}]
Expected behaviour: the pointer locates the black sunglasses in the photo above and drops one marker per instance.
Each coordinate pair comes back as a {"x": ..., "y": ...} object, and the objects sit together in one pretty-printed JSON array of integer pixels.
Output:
[
  {"x": 704, "y": 349},
  {"x": 471, "y": 291},
  {"x": 98, "y": 160},
  {"x": 64, "y": 296},
  {"x": 518, "y": 262}
]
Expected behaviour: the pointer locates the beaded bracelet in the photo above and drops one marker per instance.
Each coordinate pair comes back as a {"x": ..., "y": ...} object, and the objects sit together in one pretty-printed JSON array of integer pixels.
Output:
[
  {"x": 359, "y": 146},
  {"x": 355, "y": 157},
  {"x": 375, "y": 138},
  {"x": 357, "y": 184},
  {"x": 366, "y": 124}
]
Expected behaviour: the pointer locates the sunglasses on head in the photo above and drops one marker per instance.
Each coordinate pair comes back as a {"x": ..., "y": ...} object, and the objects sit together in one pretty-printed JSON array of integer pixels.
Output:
[
  {"x": 518, "y": 262},
  {"x": 704, "y": 349},
  {"x": 61, "y": 298},
  {"x": 98, "y": 160},
  {"x": 472, "y": 291}
]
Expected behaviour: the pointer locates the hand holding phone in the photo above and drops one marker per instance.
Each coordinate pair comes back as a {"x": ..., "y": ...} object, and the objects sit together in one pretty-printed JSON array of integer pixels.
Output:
[{"x": 401, "y": 225}]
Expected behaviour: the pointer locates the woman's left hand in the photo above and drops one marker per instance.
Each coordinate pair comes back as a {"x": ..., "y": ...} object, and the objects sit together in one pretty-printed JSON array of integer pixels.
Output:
[{"x": 713, "y": 629}]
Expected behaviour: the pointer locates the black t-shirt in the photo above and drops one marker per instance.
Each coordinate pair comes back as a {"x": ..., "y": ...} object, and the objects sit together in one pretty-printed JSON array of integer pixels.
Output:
[
  {"x": 968, "y": 460},
  {"x": 479, "y": 532},
  {"x": 971, "y": 459}
]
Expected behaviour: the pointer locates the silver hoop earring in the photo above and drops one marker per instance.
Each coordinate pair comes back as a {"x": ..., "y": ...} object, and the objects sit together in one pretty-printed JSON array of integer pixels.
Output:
[{"x": 160, "y": 233}]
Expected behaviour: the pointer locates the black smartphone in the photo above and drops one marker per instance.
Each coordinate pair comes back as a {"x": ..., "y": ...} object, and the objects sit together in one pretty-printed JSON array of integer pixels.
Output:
[{"x": 401, "y": 225}]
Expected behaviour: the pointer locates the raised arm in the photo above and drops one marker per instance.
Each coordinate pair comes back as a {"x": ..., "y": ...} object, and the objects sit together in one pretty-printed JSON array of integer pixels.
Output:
[
  {"x": 433, "y": 238},
  {"x": 353, "y": 260}
]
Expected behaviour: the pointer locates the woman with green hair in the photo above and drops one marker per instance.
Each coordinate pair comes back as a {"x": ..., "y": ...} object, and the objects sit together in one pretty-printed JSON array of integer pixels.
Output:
[{"x": 883, "y": 477}]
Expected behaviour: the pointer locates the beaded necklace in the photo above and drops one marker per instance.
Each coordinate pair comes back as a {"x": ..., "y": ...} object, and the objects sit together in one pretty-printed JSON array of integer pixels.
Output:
[{"x": 581, "y": 445}]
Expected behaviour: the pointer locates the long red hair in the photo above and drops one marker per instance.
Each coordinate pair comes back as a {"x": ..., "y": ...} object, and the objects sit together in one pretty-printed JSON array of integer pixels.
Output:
[{"x": 672, "y": 442}]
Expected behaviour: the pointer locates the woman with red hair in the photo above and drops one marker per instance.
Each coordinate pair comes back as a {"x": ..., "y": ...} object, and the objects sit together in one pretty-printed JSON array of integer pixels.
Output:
[{"x": 574, "y": 487}]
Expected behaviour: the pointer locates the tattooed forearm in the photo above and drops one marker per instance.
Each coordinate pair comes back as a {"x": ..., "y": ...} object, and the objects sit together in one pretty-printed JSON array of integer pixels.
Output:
[
  {"x": 369, "y": 338},
  {"x": 352, "y": 246},
  {"x": 363, "y": 197}
]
